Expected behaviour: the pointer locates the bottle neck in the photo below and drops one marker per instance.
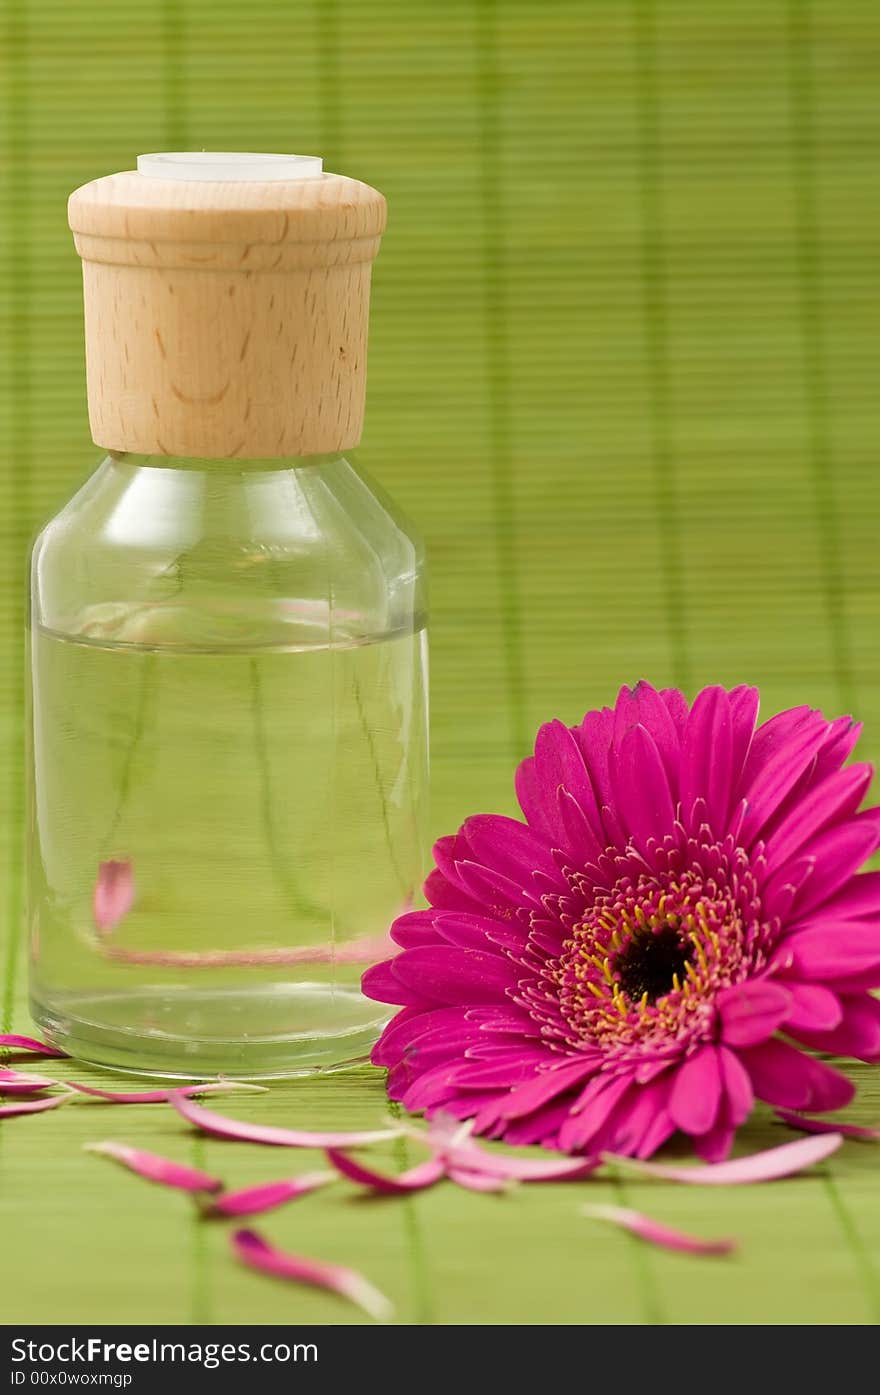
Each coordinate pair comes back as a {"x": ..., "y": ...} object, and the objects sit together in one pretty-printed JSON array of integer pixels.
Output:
[{"x": 229, "y": 465}]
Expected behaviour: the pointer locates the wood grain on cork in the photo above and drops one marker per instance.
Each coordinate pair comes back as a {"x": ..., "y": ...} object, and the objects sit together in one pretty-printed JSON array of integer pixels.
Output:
[{"x": 226, "y": 319}]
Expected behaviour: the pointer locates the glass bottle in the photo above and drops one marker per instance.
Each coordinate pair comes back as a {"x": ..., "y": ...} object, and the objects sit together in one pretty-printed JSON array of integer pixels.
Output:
[{"x": 228, "y": 734}]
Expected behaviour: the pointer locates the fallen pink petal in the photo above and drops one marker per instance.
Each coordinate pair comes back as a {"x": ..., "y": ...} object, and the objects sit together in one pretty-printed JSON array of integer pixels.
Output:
[
  {"x": 478, "y": 1181},
  {"x": 413, "y": 1180},
  {"x": 807, "y": 1125},
  {"x": 10, "y": 1042},
  {"x": 451, "y": 1140},
  {"x": 258, "y": 1254},
  {"x": 155, "y": 1168},
  {"x": 513, "y": 1169},
  {"x": 15, "y": 1082},
  {"x": 766, "y": 1166},
  {"x": 114, "y": 893},
  {"x": 219, "y": 1126},
  {"x": 9, "y": 1111},
  {"x": 265, "y": 1196},
  {"x": 655, "y": 1233},
  {"x": 161, "y": 1096}
]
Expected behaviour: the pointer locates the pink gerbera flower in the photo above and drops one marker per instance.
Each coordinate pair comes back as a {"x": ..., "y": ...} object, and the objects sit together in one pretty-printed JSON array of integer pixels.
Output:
[{"x": 677, "y": 918}]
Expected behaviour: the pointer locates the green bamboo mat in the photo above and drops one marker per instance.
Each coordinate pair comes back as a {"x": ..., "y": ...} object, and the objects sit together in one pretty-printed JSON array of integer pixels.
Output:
[{"x": 623, "y": 369}]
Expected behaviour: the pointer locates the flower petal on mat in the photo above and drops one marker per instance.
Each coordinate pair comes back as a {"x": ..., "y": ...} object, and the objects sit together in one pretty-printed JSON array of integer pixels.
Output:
[
  {"x": 9, "y": 1111},
  {"x": 10, "y": 1042},
  {"x": 808, "y": 1125},
  {"x": 220, "y": 1127},
  {"x": 114, "y": 893},
  {"x": 757, "y": 1167},
  {"x": 655, "y": 1233},
  {"x": 216, "y": 1087},
  {"x": 414, "y": 1180},
  {"x": 472, "y": 1158},
  {"x": 16, "y": 1082},
  {"x": 257, "y": 1253},
  {"x": 265, "y": 1196},
  {"x": 530, "y": 1169},
  {"x": 155, "y": 1168},
  {"x": 477, "y": 1181}
]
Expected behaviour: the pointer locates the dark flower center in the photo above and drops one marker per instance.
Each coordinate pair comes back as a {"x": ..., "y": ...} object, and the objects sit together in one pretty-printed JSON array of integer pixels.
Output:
[{"x": 652, "y": 962}]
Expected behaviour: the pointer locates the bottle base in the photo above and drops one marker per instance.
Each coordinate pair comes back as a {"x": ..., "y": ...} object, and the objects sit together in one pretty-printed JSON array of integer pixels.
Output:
[{"x": 285, "y": 1031}]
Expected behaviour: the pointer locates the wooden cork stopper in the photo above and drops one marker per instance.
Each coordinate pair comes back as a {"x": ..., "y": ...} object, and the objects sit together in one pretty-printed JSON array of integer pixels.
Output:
[{"x": 226, "y": 316}]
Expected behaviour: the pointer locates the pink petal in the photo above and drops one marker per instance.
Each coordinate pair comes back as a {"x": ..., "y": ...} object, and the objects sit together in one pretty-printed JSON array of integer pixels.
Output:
[
  {"x": 696, "y": 1092},
  {"x": 752, "y": 1011},
  {"x": 560, "y": 764},
  {"x": 413, "y": 1180},
  {"x": 594, "y": 738},
  {"x": 415, "y": 928},
  {"x": 714, "y": 1146},
  {"x": 10, "y": 1042},
  {"x": 529, "y": 798},
  {"x": 155, "y": 1168},
  {"x": 265, "y": 1196},
  {"x": 546, "y": 1086},
  {"x": 532, "y": 1169},
  {"x": 642, "y": 785},
  {"x": 10, "y": 1111},
  {"x": 381, "y": 982},
  {"x": 579, "y": 836},
  {"x": 707, "y": 757},
  {"x": 758, "y": 1167},
  {"x": 409, "y": 1025},
  {"x": 858, "y": 899},
  {"x": 592, "y": 1110},
  {"x": 834, "y": 798},
  {"x": 655, "y": 1233},
  {"x": 15, "y": 1082},
  {"x": 772, "y": 735},
  {"x": 813, "y": 1008},
  {"x": 219, "y": 1126},
  {"x": 508, "y": 847},
  {"x": 838, "y": 855},
  {"x": 644, "y": 706},
  {"x": 477, "y": 1181},
  {"x": 808, "y": 1125},
  {"x": 453, "y": 976},
  {"x": 790, "y": 1079},
  {"x": 479, "y": 932},
  {"x": 215, "y": 1087},
  {"x": 856, "y": 1034},
  {"x": 676, "y": 705},
  {"x": 843, "y": 737},
  {"x": 828, "y": 956},
  {"x": 738, "y": 1093},
  {"x": 114, "y": 893},
  {"x": 512, "y": 1169},
  {"x": 640, "y": 1123},
  {"x": 257, "y": 1253},
  {"x": 452, "y": 1141},
  {"x": 775, "y": 779},
  {"x": 744, "y": 703}
]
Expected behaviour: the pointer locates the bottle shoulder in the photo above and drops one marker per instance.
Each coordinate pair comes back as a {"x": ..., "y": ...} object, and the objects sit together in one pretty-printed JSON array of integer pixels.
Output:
[{"x": 139, "y": 533}]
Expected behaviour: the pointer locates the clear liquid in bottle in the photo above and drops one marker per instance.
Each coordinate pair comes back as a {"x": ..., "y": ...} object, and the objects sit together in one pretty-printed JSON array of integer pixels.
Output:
[{"x": 262, "y": 803}]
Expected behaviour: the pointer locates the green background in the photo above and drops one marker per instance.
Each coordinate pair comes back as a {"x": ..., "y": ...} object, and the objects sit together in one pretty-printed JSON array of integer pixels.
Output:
[{"x": 623, "y": 376}]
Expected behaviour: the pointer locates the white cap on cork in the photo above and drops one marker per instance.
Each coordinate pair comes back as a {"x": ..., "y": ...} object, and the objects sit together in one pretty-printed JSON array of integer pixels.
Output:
[{"x": 229, "y": 165}]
